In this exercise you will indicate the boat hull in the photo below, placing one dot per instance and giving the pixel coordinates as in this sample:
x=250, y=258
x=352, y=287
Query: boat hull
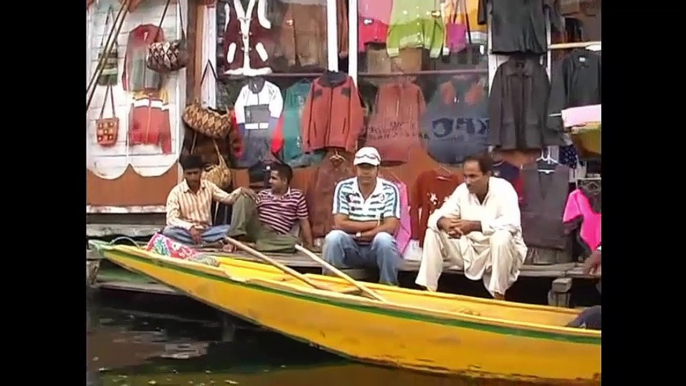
x=384, y=336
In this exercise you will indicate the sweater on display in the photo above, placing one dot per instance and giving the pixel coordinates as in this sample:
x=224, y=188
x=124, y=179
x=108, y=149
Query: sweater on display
x=257, y=112
x=428, y=194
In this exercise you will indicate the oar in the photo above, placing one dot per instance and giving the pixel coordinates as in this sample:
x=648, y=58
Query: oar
x=275, y=263
x=342, y=275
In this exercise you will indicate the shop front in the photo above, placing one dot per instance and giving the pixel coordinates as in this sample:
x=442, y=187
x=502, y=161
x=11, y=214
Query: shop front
x=306, y=82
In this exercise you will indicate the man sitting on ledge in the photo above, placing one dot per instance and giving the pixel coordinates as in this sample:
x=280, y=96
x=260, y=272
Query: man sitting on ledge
x=189, y=203
x=366, y=213
x=268, y=218
x=478, y=229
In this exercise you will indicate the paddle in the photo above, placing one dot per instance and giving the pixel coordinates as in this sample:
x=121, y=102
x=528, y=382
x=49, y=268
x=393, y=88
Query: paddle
x=342, y=275
x=275, y=263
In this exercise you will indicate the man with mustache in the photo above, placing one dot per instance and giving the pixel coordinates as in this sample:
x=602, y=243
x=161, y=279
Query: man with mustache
x=478, y=229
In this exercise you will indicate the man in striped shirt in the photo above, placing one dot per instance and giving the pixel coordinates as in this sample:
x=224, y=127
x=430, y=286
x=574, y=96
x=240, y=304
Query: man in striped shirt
x=269, y=217
x=366, y=213
x=189, y=220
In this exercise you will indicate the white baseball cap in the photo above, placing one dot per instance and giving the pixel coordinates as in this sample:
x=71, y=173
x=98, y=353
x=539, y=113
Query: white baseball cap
x=367, y=155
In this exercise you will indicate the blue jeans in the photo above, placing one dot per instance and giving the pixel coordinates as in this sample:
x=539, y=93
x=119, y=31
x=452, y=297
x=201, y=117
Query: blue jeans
x=342, y=251
x=210, y=235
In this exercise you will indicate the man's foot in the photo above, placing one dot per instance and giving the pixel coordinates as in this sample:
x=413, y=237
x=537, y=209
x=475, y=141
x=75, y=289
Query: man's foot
x=498, y=296
x=228, y=248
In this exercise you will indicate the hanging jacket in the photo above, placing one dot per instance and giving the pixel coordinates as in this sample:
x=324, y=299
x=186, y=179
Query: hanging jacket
x=414, y=25
x=517, y=106
x=257, y=112
x=302, y=37
x=247, y=41
x=453, y=128
x=374, y=16
x=149, y=121
x=429, y=192
x=545, y=195
x=333, y=115
x=578, y=213
x=320, y=192
x=294, y=103
x=136, y=75
x=518, y=26
x=575, y=82
x=393, y=128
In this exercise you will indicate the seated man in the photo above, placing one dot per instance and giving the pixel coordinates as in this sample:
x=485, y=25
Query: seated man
x=268, y=218
x=478, y=229
x=366, y=213
x=189, y=203
x=591, y=317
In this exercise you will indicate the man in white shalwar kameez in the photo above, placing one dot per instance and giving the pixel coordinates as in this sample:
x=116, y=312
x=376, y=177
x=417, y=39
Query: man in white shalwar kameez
x=478, y=229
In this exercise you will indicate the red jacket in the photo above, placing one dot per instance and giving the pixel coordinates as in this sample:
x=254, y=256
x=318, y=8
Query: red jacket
x=149, y=121
x=333, y=115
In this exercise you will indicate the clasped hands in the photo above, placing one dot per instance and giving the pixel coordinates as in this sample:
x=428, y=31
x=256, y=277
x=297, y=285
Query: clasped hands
x=456, y=227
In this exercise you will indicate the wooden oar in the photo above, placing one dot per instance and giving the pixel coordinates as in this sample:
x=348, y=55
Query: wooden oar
x=275, y=263
x=342, y=275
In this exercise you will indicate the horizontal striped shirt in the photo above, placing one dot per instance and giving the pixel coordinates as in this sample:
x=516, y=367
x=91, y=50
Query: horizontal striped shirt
x=384, y=202
x=280, y=213
x=187, y=209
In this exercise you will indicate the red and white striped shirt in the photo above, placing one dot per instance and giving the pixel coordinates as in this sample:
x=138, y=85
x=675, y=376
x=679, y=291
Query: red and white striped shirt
x=187, y=209
x=280, y=213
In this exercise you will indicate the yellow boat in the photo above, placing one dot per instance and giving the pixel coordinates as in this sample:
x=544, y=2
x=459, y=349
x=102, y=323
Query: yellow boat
x=415, y=330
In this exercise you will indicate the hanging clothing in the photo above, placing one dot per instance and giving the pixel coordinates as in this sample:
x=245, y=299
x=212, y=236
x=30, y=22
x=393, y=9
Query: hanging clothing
x=545, y=194
x=287, y=138
x=393, y=128
x=519, y=26
x=302, y=39
x=575, y=83
x=374, y=16
x=320, y=193
x=578, y=214
x=149, y=120
x=414, y=25
x=511, y=174
x=247, y=41
x=453, y=127
x=404, y=233
x=333, y=115
x=517, y=106
x=257, y=112
x=569, y=156
x=136, y=75
x=430, y=191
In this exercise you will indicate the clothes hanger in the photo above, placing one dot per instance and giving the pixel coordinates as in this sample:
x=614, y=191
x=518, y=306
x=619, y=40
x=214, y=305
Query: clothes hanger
x=336, y=156
x=545, y=162
x=443, y=168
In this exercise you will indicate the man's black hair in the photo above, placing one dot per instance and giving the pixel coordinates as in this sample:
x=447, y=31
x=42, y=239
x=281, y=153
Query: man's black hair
x=284, y=171
x=191, y=161
x=484, y=160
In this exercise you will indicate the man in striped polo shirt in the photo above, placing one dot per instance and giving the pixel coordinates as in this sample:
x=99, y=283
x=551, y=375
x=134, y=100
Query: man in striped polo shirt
x=268, y=218
x=366, y=213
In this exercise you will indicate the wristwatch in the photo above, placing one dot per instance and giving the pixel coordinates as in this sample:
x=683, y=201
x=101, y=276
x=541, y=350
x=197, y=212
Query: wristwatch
x=358, y=235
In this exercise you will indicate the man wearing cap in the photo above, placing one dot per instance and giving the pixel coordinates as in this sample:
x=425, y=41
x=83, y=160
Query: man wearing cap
x=366, y=213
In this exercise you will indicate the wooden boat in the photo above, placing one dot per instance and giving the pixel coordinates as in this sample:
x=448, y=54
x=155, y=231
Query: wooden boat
x=416, y=330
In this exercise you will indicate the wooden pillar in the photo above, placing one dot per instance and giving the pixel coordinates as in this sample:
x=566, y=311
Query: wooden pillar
x=193, y=32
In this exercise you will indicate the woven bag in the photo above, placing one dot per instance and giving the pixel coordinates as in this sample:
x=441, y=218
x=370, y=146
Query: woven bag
x=205, y=120
x=107, y=129
x=168, y=56
x=220, y=174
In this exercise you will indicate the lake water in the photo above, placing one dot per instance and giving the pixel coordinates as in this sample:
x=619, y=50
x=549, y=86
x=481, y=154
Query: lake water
x=146, y=340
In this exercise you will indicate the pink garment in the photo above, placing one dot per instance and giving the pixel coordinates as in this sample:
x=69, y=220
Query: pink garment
x=578, y=206
x=580, y=116
x=163, y=245
x=402, y=237
x=374, y=17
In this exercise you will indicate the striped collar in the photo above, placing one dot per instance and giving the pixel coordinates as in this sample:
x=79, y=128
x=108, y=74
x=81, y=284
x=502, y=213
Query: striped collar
x=186, y=189
x=378, y=188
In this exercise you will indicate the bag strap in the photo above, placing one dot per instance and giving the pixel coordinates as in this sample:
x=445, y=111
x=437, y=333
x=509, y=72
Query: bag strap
x=209, y=66
x=159, y=26
x=466, y=16
x=110, y=12
x=178, y=9
x=104, y=102
x=455, y=9
x=220, y=157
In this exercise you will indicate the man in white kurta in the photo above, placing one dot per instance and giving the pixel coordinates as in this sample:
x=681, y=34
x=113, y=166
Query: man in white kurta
x=478, y=229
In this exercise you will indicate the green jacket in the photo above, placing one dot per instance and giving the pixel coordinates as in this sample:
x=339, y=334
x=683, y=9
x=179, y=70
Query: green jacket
x=413, y=25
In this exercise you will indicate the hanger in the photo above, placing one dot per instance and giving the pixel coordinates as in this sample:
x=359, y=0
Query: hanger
x=545, y=161
x=390, y=172
x=443, y=168
x=336, y=156
x=256, y=83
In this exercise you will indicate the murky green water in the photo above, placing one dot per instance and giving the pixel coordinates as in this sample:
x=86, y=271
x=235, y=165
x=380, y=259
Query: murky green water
x=168, y=340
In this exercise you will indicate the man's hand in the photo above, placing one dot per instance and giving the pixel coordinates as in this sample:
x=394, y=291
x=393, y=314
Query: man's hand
x=592, y=263
x=457, y=227
x=248, y=192
x=195, y=235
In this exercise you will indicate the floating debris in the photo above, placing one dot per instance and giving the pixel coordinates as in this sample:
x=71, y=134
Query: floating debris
x=231, y=382
x=153, y=382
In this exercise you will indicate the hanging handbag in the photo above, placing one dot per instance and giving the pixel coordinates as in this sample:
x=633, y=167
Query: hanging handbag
x=458, y=34
x=107, y=129
x=219, y=174
x=205, y=120
x=171, y=55
x=108, y=76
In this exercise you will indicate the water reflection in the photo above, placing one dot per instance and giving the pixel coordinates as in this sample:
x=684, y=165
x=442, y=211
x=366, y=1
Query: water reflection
x=174, y=341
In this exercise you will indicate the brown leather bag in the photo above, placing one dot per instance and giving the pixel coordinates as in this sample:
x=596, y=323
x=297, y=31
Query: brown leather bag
x=171, y=55
x=210, y=122
x=107, y=129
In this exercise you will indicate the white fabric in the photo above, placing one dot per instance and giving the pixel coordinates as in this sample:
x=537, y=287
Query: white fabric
x=498, y=248
x=269, y=95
